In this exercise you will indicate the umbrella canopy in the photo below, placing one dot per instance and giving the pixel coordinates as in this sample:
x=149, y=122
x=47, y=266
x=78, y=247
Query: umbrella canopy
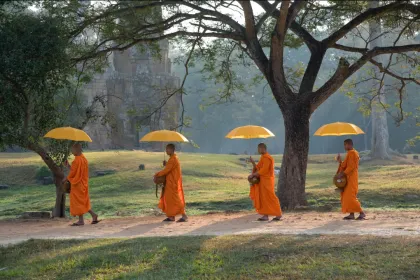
x=68, y=133
x=164, y=136
x=338, y=129
x=249, y=132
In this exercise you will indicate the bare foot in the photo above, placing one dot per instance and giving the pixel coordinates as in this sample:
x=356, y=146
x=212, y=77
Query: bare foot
x=263, y=219
x=349, y=217
x=361, y=217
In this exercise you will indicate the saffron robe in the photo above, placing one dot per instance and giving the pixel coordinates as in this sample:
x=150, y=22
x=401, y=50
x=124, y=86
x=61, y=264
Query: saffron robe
x=350, y=167
x=79, y=194
x=262, y=194
x=172, y=201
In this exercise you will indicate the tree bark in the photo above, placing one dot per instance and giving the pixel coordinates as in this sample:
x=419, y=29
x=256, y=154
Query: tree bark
x=291, y=183
x=58, y=174
x=380, y=136
x=59, y=210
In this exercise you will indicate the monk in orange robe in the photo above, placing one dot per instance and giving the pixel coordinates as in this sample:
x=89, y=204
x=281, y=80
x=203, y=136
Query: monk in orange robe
x=262, y=194
x=350, y=168
x=79, y=193
x=172, y=200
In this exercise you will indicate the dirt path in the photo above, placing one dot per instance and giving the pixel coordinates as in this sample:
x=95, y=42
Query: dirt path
x=379, y=223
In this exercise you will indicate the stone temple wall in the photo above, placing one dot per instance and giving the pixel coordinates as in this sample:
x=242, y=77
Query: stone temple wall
x=135, y=84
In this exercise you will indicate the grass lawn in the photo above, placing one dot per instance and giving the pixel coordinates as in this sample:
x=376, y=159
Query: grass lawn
x=228, y=257
x=212, y=183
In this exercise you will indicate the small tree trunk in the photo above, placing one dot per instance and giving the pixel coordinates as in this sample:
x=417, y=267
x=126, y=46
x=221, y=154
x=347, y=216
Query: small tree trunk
x=59, y=210
x=291, y=184
x=57, y=171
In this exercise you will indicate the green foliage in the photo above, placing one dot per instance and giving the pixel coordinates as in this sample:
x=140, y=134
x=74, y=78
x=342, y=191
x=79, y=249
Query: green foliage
x=42, y=172
x=33, y=58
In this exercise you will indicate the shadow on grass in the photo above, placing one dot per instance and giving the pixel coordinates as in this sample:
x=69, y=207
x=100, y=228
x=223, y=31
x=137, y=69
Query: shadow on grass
x=221, y=205
x=229, y=257
x=200, y=174
x=18, y=175
x=390, y=198
x=379, y=198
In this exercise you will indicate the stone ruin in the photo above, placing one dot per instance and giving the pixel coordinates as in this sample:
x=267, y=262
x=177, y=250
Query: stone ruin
x=134, y=84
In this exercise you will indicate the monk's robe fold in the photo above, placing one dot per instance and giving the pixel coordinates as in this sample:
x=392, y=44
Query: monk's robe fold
x=350, y=167
x=172, y=200
x=263, y=196
x=79, y=194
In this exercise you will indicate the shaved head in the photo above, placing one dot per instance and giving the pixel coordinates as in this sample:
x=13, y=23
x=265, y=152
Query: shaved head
x=348, y=141
x=262, y=148
x=76, y=149
x=170, y=149
x=348, y=144
x=262, y=145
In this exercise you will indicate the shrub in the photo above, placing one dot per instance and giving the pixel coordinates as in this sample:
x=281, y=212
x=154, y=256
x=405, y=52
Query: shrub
x=42, y=172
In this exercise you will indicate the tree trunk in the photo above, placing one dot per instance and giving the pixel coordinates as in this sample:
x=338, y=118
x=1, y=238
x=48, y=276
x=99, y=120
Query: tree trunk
x=380, y=136
x=57, y=171
x=59, y=210
x=291, y=183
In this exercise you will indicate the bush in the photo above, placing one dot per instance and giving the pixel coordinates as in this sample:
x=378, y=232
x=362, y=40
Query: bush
x=42, y=172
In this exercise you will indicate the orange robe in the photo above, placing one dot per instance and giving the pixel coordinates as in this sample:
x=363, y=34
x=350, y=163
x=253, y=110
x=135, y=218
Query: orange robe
x=79, y=194
x=265, y=200
x=172, y=200
x=350, y=167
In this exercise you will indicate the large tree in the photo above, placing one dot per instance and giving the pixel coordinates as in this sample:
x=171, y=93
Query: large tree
x=39, y=87
x=262, y=31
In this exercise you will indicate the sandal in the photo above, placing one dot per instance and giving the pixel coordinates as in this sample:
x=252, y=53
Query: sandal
x=361, y=218
x=95, y=222
x=168, y=220
x=348, y=218
x=275, y=219
x=182, y=220
x=76, y=225
x=262, y=220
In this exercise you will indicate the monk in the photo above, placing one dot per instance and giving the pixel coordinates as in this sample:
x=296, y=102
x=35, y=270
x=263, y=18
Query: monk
x=350, y=168
x=79, y=194
x=262, y=194
x=172, y=200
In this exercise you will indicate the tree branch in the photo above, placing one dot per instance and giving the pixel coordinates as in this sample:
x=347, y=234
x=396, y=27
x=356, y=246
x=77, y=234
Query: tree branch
x=368, y=14
x=332, y=85
x=388, y=72
x=267, y=14
x=296, y=28
x=251, y=41
x=135, y=41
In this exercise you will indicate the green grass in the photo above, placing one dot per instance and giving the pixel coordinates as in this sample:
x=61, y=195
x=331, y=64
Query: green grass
x=228, y=257
x=212, y=183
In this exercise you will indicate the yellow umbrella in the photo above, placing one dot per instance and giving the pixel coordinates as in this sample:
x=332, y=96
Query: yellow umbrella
x=164, y=136
x=68, y=133
x=249, y=132
x=338, y=129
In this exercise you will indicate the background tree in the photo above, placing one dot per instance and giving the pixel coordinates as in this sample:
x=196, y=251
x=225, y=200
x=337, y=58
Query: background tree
x=238, y=25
